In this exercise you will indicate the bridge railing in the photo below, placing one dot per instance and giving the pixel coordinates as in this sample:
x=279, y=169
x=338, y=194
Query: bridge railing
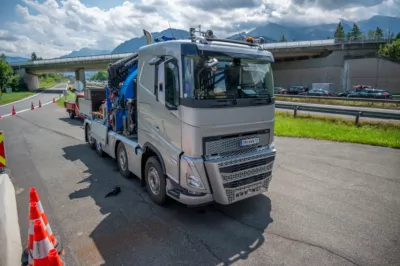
x=275, y=45
x=294, y=44
x=71, y=60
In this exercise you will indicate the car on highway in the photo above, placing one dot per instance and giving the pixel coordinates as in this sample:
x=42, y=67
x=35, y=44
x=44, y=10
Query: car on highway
x=280, y=90
x=295, y=90
x=317, y=92
x=371, y=93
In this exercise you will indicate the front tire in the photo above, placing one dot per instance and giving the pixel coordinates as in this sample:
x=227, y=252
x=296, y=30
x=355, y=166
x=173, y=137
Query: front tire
x=155, y=181
x=122, y=159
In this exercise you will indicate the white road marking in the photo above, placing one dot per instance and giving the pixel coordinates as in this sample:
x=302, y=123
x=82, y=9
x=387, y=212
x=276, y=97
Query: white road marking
x=29, y=109
x=27, y=98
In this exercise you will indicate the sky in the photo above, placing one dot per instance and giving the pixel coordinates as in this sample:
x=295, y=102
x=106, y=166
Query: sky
x=52, y=28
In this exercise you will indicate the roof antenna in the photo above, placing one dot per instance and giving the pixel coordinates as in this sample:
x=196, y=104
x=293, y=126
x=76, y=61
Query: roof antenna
x=172, y=33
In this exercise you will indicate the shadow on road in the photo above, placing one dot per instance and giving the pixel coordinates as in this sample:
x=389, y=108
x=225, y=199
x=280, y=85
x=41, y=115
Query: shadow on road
x=75, y=122
x=137, y=230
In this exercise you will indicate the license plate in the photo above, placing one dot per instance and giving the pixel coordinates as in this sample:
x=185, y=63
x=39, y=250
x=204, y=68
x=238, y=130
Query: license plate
x=248, y=142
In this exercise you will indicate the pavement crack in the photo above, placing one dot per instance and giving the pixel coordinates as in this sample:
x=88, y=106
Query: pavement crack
x=52, y=130
x=287, y=238
x=204, y=244
x=314, y=245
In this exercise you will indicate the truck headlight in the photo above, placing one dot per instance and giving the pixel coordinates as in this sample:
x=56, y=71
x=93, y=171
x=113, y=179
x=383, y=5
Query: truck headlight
x=191, y=174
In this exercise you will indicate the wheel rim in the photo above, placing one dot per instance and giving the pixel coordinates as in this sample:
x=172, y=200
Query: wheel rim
x=154, y=181
x=122, y=159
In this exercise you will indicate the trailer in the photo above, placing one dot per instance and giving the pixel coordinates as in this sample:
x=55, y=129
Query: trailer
x=193, y=119
x=72, y=107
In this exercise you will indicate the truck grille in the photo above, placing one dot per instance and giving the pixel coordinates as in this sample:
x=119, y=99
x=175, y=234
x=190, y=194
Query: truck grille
x=227, y=146
x=246, y=175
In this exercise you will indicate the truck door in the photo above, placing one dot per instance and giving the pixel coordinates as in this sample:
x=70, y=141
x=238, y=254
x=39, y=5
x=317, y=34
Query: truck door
x=167, y=95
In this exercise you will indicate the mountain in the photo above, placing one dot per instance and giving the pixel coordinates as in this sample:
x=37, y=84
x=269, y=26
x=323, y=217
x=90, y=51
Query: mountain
x=86, y=52
x=11, y=59
x=134, y=44
x=275, y=31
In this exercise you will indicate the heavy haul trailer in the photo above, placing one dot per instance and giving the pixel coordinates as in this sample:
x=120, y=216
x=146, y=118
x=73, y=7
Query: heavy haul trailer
x=193, y=119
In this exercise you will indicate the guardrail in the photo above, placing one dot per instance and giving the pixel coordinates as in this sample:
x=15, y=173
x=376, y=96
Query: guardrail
x=350, y=99
x=387, y=114
x=294, y=44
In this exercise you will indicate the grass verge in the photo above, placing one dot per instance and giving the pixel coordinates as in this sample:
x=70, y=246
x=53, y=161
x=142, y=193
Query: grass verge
x=14, y=96
x=337, y=129
x=71, y=97
x=340, y=102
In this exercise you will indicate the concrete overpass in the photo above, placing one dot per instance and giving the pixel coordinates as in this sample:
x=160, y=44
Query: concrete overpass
x=283, y=51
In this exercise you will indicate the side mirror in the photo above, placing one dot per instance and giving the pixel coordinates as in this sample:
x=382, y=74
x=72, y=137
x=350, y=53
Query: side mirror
x=211, y=63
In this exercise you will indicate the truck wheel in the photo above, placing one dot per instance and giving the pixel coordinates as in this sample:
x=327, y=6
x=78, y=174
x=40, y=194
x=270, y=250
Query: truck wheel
x=89, y=138
x=122, y=159
x=99, y=150
x=155, y=181
x=72, y=115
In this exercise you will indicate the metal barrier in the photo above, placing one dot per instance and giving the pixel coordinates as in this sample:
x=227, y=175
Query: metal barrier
x=350, y=99
x=387, y=114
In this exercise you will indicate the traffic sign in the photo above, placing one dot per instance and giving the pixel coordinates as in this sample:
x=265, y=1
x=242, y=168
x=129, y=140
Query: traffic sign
x=3, y=160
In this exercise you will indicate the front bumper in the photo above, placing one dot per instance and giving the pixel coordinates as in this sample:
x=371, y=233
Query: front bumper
x=236, y=178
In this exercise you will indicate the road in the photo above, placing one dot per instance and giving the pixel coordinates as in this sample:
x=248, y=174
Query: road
x=24, y=104
x=329, y=204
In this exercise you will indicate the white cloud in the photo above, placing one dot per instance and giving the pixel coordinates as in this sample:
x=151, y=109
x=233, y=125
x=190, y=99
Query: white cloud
x=54, y=28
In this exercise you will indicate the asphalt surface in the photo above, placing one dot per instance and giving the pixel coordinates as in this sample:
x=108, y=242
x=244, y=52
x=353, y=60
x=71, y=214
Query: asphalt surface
x=44, y=97
x=328, y=204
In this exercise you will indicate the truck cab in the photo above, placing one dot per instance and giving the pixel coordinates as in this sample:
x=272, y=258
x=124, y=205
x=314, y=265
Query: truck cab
x=204, y=119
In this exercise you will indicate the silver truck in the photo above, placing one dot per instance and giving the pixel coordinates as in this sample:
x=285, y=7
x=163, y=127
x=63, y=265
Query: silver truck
x=193, y=119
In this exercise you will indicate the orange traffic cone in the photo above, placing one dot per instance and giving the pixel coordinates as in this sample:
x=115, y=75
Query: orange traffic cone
x=13, y=112
x=41, y=244
x=53, y=258
x=54, y=99
x=34, y=198
x=34, y=214
x=40, y=104
x=32, y=106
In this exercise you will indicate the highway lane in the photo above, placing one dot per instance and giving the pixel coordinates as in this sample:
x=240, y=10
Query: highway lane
x=44, y=97
x=329, y=204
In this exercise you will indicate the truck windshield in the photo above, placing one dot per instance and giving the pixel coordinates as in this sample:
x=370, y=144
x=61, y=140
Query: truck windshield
x=230, y=78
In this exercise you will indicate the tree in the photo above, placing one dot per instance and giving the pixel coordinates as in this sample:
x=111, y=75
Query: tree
x=101, y=75
x=339, y=33
x=348, y=35
x=355, y=32
x=398, y=36
x=391, y=50
x=7, y=77
x=378, y=33
x=371, y=35
x=34, y=56
x=283, y=38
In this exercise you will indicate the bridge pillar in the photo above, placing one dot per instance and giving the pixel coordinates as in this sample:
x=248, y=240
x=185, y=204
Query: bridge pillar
x=80, y=79
x=30, y=80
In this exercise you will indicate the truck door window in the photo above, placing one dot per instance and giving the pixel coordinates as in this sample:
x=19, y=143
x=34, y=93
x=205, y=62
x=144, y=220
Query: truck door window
x=172, y=84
